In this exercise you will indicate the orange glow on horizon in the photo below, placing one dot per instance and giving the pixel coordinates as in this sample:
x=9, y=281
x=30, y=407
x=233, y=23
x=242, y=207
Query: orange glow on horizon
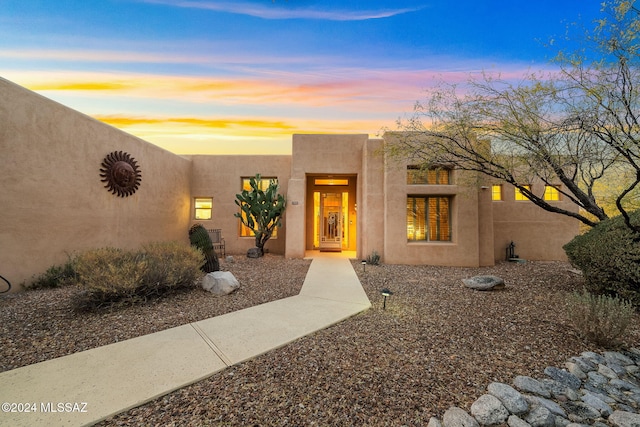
x=188, y=135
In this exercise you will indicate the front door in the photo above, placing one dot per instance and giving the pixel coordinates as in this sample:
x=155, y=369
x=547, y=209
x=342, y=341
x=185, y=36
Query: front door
x=330, y=218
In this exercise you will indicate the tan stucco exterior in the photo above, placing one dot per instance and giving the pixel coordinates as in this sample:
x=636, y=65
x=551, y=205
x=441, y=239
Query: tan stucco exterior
x=220, y=177
x=54, y=204
x=52, y=200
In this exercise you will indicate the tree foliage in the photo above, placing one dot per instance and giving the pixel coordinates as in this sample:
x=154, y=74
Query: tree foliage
x=575, y=127
x=261, y=210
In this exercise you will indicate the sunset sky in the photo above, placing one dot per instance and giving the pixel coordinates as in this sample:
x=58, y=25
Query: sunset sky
x=236, y=76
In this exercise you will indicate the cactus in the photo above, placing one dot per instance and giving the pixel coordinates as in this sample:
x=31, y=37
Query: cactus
x=199, y=238
x=262, y=210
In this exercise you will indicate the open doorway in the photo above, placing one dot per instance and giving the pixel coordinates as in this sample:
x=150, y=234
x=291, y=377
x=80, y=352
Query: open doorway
x=331, y=213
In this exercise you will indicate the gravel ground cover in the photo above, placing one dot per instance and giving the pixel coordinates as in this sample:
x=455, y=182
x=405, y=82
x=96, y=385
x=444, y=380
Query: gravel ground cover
x=43, y=324
x=437, y=344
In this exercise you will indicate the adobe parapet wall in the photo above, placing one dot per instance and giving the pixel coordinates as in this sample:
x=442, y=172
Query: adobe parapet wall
x=52, y=200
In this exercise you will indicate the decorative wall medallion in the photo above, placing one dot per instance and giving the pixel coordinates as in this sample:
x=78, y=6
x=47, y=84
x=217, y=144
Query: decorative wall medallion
x=121, y=173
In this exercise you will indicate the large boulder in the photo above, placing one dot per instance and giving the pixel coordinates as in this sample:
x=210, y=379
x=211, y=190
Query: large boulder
x=220, y=282
x=484, y=283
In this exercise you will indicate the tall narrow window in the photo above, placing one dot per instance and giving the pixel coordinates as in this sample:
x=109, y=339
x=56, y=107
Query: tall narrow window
x=203, y=207
x=551, y=193
x=520, y=195
x=496, y=192
x=429, y=218
x=416, y=175
x=262, y=185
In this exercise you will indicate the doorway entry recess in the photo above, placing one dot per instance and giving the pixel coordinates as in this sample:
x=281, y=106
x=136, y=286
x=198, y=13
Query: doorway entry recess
x=332, y=215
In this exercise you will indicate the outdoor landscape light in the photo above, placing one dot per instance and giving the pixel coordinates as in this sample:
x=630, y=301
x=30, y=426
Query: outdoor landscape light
x=364, y=265
x=385, y=292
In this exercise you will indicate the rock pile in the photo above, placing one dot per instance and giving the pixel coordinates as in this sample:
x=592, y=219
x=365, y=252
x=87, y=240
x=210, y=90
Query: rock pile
x=595, y=389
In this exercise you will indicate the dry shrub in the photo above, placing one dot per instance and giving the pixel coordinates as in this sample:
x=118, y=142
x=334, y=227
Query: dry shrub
x=600, y=319
x=111, y=276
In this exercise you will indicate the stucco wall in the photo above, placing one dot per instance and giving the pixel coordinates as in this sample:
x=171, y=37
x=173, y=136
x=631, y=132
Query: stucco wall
x=371, y=204
x=318, y=155
x=462, y=250
x=220, y=177
x=538, y=234
x=52, y=201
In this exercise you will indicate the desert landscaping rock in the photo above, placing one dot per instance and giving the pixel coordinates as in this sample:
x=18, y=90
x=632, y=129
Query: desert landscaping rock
x=563, y=377
x=540, y=417
x=220, y=283
x=607, y=371
x=576, y=405
x=559, y=390
x=531, y=385
x=511, y=398
x=254, y=253
x=457, y=417
x=624, y=419
x=596, y=403
x=484, y=283
x=516, y=421
x=552, y=406
x=488, y=410
x=574, y=369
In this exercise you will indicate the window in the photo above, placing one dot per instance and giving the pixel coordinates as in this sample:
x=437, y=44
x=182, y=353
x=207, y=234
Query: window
x=429, y=218
x=331, y=181
x=496, y=192
x=520, y=195
x=263, y=185
x=417, y=175
x=203, y=207
x=551, y=193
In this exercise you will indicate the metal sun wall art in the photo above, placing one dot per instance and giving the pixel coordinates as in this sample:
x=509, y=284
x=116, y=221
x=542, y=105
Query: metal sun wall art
x=120, y=173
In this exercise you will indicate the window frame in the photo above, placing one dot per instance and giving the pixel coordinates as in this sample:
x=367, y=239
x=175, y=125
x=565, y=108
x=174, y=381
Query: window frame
x=496, y=189
x=427, y=218
x=417, y=175
x=519, y=196
x=197, y=209
x=551, y=193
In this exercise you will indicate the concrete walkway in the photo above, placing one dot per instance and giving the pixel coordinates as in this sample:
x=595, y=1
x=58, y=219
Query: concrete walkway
x=87, y=387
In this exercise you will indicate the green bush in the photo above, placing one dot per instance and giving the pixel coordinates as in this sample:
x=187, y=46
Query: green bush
x=609, y=257
x=111, y=276
x=599, y=318
x=55, y=276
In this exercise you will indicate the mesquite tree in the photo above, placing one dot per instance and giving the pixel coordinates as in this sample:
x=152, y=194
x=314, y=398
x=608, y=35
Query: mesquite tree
x=261, y=210
x=577, y=127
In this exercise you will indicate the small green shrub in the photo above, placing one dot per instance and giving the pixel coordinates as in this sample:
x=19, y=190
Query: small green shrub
x=599, y=318
x=374, y=258
x=609, y=257
x=55, y=276
x=111, y=276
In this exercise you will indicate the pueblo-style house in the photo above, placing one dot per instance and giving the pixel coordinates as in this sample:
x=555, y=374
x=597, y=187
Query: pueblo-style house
x=342, y=194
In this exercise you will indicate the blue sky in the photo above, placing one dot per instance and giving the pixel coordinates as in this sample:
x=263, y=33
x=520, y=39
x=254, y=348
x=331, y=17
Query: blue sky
x=205, y=76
